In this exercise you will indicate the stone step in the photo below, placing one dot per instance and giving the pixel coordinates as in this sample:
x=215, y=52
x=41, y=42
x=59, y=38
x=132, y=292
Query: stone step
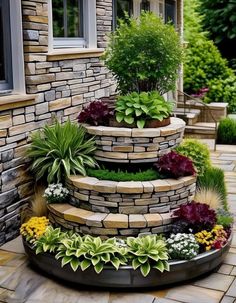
x=202, y=130
x=101, y=224
x=189, y=115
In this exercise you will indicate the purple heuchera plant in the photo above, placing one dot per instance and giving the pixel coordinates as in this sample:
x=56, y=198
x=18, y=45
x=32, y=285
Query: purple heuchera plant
x=175, y=165
x=199, y=216
x=96, y=113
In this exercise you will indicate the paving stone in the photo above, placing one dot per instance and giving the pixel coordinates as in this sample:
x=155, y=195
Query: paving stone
x=216, y=281
x=230, y=259
x=194, y=294
x=232, y=290
x=227, y=299
x=15, y=246
x=164, y=300
x=225, y=269
x=131, y=298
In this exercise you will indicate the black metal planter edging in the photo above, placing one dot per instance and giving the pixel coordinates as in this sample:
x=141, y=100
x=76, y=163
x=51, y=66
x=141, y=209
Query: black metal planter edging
x=126, y=277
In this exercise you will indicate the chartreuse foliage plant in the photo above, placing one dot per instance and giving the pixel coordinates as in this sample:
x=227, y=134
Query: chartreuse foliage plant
x=139, y=68
x=60, y=150
x=148, y=252
x=198, y=152
x=138, y=108
x=224, y=218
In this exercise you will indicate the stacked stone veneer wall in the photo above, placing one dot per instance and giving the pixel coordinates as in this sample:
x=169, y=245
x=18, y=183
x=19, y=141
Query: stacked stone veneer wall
x=133, y=145
x=58, y=86
x=159, y=196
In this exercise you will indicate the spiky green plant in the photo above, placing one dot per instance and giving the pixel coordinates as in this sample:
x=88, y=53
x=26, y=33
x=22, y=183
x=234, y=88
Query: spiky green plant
x=148, y=252
x=61, y=150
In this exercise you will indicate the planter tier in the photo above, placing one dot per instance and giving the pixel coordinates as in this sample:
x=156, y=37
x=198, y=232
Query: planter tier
x=126, y=277
x=134, y=145
x=134, y=197
x=102, y=224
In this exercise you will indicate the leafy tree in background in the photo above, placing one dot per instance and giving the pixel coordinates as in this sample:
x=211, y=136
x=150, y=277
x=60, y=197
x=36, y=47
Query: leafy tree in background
x=219, y=19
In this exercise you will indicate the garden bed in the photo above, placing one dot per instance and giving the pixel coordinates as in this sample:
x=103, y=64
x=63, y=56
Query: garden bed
x=126, y=276
x=134, y=145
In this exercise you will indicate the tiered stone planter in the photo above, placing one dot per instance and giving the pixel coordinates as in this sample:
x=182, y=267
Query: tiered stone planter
x=133, y=145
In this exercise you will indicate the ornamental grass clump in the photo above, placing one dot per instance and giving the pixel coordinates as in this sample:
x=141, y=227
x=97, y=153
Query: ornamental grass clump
x=199, y=216
x=174, y=165
x=34, y=228
x=61, y=150
x=182, y=246
x=148, y=252
x=144, y=54
x=56, y=193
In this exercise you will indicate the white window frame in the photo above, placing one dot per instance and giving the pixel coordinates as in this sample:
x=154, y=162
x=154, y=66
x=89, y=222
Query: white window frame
x=17, y=52
x=90, y=29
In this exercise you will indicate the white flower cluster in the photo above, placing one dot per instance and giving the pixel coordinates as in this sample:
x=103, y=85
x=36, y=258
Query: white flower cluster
x=182, y=246
x=55, y=193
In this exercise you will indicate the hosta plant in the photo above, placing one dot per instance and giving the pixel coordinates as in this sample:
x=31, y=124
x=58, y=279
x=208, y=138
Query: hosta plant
x=55, y=193
x=50, y=240
x=61, y=150
x=148, y=252
x=138, y=108
x=96, y=113
x=199, y=216
x=174, y=165
x=182, y=246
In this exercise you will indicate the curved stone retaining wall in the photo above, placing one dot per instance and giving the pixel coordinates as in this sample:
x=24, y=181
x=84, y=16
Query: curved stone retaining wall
x=134, y=145
x=159, y=196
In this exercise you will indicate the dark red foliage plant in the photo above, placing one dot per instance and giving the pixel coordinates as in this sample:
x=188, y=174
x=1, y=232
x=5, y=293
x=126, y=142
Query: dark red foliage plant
x=199, y=216
x=96, y=113
x=174, y=165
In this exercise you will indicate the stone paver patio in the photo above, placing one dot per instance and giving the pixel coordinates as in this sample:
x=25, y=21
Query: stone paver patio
x=20, y=284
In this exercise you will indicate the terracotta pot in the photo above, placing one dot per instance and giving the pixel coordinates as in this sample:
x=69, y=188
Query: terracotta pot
x=148, y=124
x=157, y=123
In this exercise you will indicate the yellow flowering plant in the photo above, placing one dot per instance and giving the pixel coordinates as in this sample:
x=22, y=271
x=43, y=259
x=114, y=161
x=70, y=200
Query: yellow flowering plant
x=33, y=229
x=216, y=238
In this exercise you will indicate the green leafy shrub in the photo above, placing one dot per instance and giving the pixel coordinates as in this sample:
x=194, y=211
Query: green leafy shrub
x=224, y=218
x=138, y=108
x=214, y=178
x=182, y=246
x=197, y=152
x=223, y=91
x=105, y=174
x=141, y=68
x=203, y=63
x=148, y=252
x=226, y=133
x=61, y=150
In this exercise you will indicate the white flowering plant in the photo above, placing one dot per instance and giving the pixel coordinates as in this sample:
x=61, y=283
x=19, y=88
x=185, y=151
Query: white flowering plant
x=182, y=246
x=56, y=193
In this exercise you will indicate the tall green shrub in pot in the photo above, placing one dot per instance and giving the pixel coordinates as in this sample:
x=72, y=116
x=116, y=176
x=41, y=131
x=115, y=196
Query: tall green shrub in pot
x=144, y=55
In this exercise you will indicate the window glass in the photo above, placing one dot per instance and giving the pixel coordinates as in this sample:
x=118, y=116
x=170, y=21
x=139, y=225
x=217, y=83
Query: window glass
x=170, y=11
x=121, y=8
x=67, y=18
x=145, y=5
x=2, y=65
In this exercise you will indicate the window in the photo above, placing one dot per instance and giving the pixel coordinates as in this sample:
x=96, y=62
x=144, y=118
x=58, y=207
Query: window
x=170, y=11
x=121, y=8
x=5, y=48
x=145, y=5
x=73, y=23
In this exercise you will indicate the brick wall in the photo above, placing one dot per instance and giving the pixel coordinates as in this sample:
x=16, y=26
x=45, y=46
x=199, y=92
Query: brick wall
x=61, y=87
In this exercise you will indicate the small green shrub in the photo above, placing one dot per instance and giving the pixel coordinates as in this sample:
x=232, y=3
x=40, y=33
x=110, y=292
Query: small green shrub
x=141, y=68
x=61, y=150
x=105, y=174
x=223, y=91
x=203, y=63
x=138, y=108
x=226, y=133
x=214, y=178
x=197, y=152
x=224, y=218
